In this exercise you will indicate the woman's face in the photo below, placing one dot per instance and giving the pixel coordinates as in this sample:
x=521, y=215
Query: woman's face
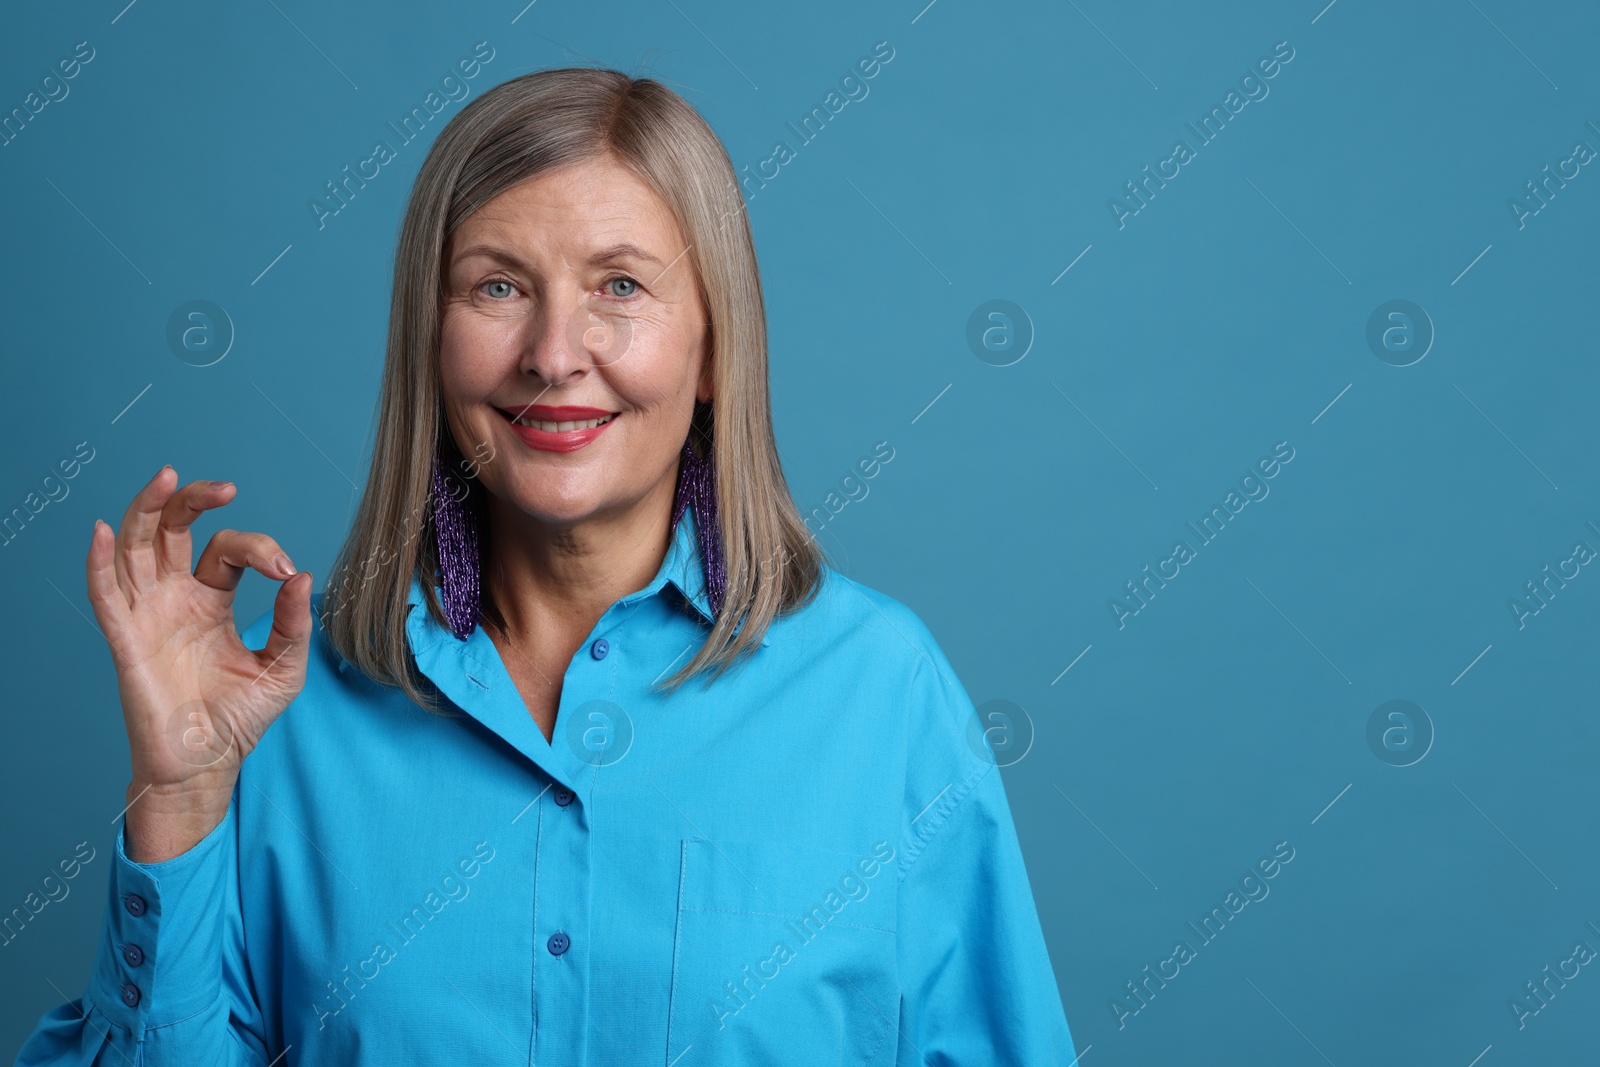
x=572, y=290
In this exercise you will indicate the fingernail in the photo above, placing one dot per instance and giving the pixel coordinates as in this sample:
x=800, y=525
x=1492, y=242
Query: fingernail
x=220, y=485
x=283, y=563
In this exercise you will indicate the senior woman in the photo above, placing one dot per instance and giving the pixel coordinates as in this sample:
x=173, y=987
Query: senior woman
x=453, y=809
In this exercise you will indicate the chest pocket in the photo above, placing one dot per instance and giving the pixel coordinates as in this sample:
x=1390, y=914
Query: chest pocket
x=783, y=955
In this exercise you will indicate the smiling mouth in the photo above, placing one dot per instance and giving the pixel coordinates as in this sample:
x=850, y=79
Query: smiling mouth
x=553, y=426
x=563, y=427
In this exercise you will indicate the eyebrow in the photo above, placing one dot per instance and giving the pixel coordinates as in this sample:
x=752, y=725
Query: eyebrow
x=605, y=255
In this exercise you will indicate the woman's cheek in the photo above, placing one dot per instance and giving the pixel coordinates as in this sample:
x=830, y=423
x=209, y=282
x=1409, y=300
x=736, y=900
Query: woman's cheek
x=659, y=358
x=474, y=354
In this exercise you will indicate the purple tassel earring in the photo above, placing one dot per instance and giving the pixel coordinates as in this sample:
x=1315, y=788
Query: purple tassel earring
x=697, y=485
x=456, y=532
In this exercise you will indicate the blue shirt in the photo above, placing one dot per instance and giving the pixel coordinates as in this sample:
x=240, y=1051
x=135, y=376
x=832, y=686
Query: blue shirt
x=808, y=861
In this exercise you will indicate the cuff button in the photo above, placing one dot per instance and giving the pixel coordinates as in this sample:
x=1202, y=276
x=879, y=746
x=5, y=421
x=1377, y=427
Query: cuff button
x=130, y=995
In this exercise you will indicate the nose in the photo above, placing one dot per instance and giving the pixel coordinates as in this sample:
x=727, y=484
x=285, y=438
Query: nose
x=574, y=332
x=550, y=351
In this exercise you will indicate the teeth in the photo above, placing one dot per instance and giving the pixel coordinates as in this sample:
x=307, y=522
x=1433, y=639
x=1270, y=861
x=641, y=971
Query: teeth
x=563, y=427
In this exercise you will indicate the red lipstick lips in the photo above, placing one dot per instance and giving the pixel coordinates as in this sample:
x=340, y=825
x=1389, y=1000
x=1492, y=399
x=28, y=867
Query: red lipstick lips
x=569, y=440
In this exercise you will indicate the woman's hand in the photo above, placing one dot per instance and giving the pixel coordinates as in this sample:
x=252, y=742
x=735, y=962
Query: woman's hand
x=195, y=700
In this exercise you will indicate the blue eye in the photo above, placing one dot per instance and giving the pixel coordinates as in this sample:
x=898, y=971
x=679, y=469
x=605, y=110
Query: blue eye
x=488, y=285
x=632, y=285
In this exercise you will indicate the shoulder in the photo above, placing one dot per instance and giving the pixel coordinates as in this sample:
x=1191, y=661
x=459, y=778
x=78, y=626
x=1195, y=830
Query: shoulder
x=890, y=634
x=855, y=615
x=890, y=644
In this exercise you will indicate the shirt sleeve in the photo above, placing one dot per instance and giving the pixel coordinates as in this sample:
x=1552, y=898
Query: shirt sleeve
x=169, y=984
x=976, y=980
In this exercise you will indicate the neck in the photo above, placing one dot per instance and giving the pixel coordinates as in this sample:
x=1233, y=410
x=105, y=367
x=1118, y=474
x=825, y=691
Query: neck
x=548, y=579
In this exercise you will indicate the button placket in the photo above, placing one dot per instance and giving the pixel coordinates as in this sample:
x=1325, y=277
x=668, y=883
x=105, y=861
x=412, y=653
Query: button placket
x=561, y=909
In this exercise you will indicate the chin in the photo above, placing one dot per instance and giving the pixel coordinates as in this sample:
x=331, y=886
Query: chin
x=557, y=511
x=554, y=503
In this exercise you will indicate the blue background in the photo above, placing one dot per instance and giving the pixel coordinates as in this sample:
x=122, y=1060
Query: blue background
x=1229, y=314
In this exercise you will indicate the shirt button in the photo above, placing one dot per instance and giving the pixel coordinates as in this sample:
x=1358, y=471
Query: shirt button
x=600, y=647
x=558, y=943
x=135, y=905
x=130, y=995
x=563, y=797
x=133, y=954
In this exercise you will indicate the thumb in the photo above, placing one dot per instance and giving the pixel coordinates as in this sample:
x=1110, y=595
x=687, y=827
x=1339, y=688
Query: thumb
x=290, y=639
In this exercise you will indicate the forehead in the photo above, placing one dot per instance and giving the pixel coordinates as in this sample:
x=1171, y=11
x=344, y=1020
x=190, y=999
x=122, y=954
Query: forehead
x=597, y=202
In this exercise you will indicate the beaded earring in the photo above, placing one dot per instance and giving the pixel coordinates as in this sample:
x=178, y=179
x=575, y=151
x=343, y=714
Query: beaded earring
x=456, y=536
x=697, y=485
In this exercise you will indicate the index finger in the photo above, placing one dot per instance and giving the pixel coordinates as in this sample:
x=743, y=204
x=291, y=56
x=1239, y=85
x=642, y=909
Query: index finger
x=134, y=553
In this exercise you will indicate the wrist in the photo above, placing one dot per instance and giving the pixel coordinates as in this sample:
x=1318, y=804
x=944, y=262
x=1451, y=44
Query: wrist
x=200, y=791
x=163, y=820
